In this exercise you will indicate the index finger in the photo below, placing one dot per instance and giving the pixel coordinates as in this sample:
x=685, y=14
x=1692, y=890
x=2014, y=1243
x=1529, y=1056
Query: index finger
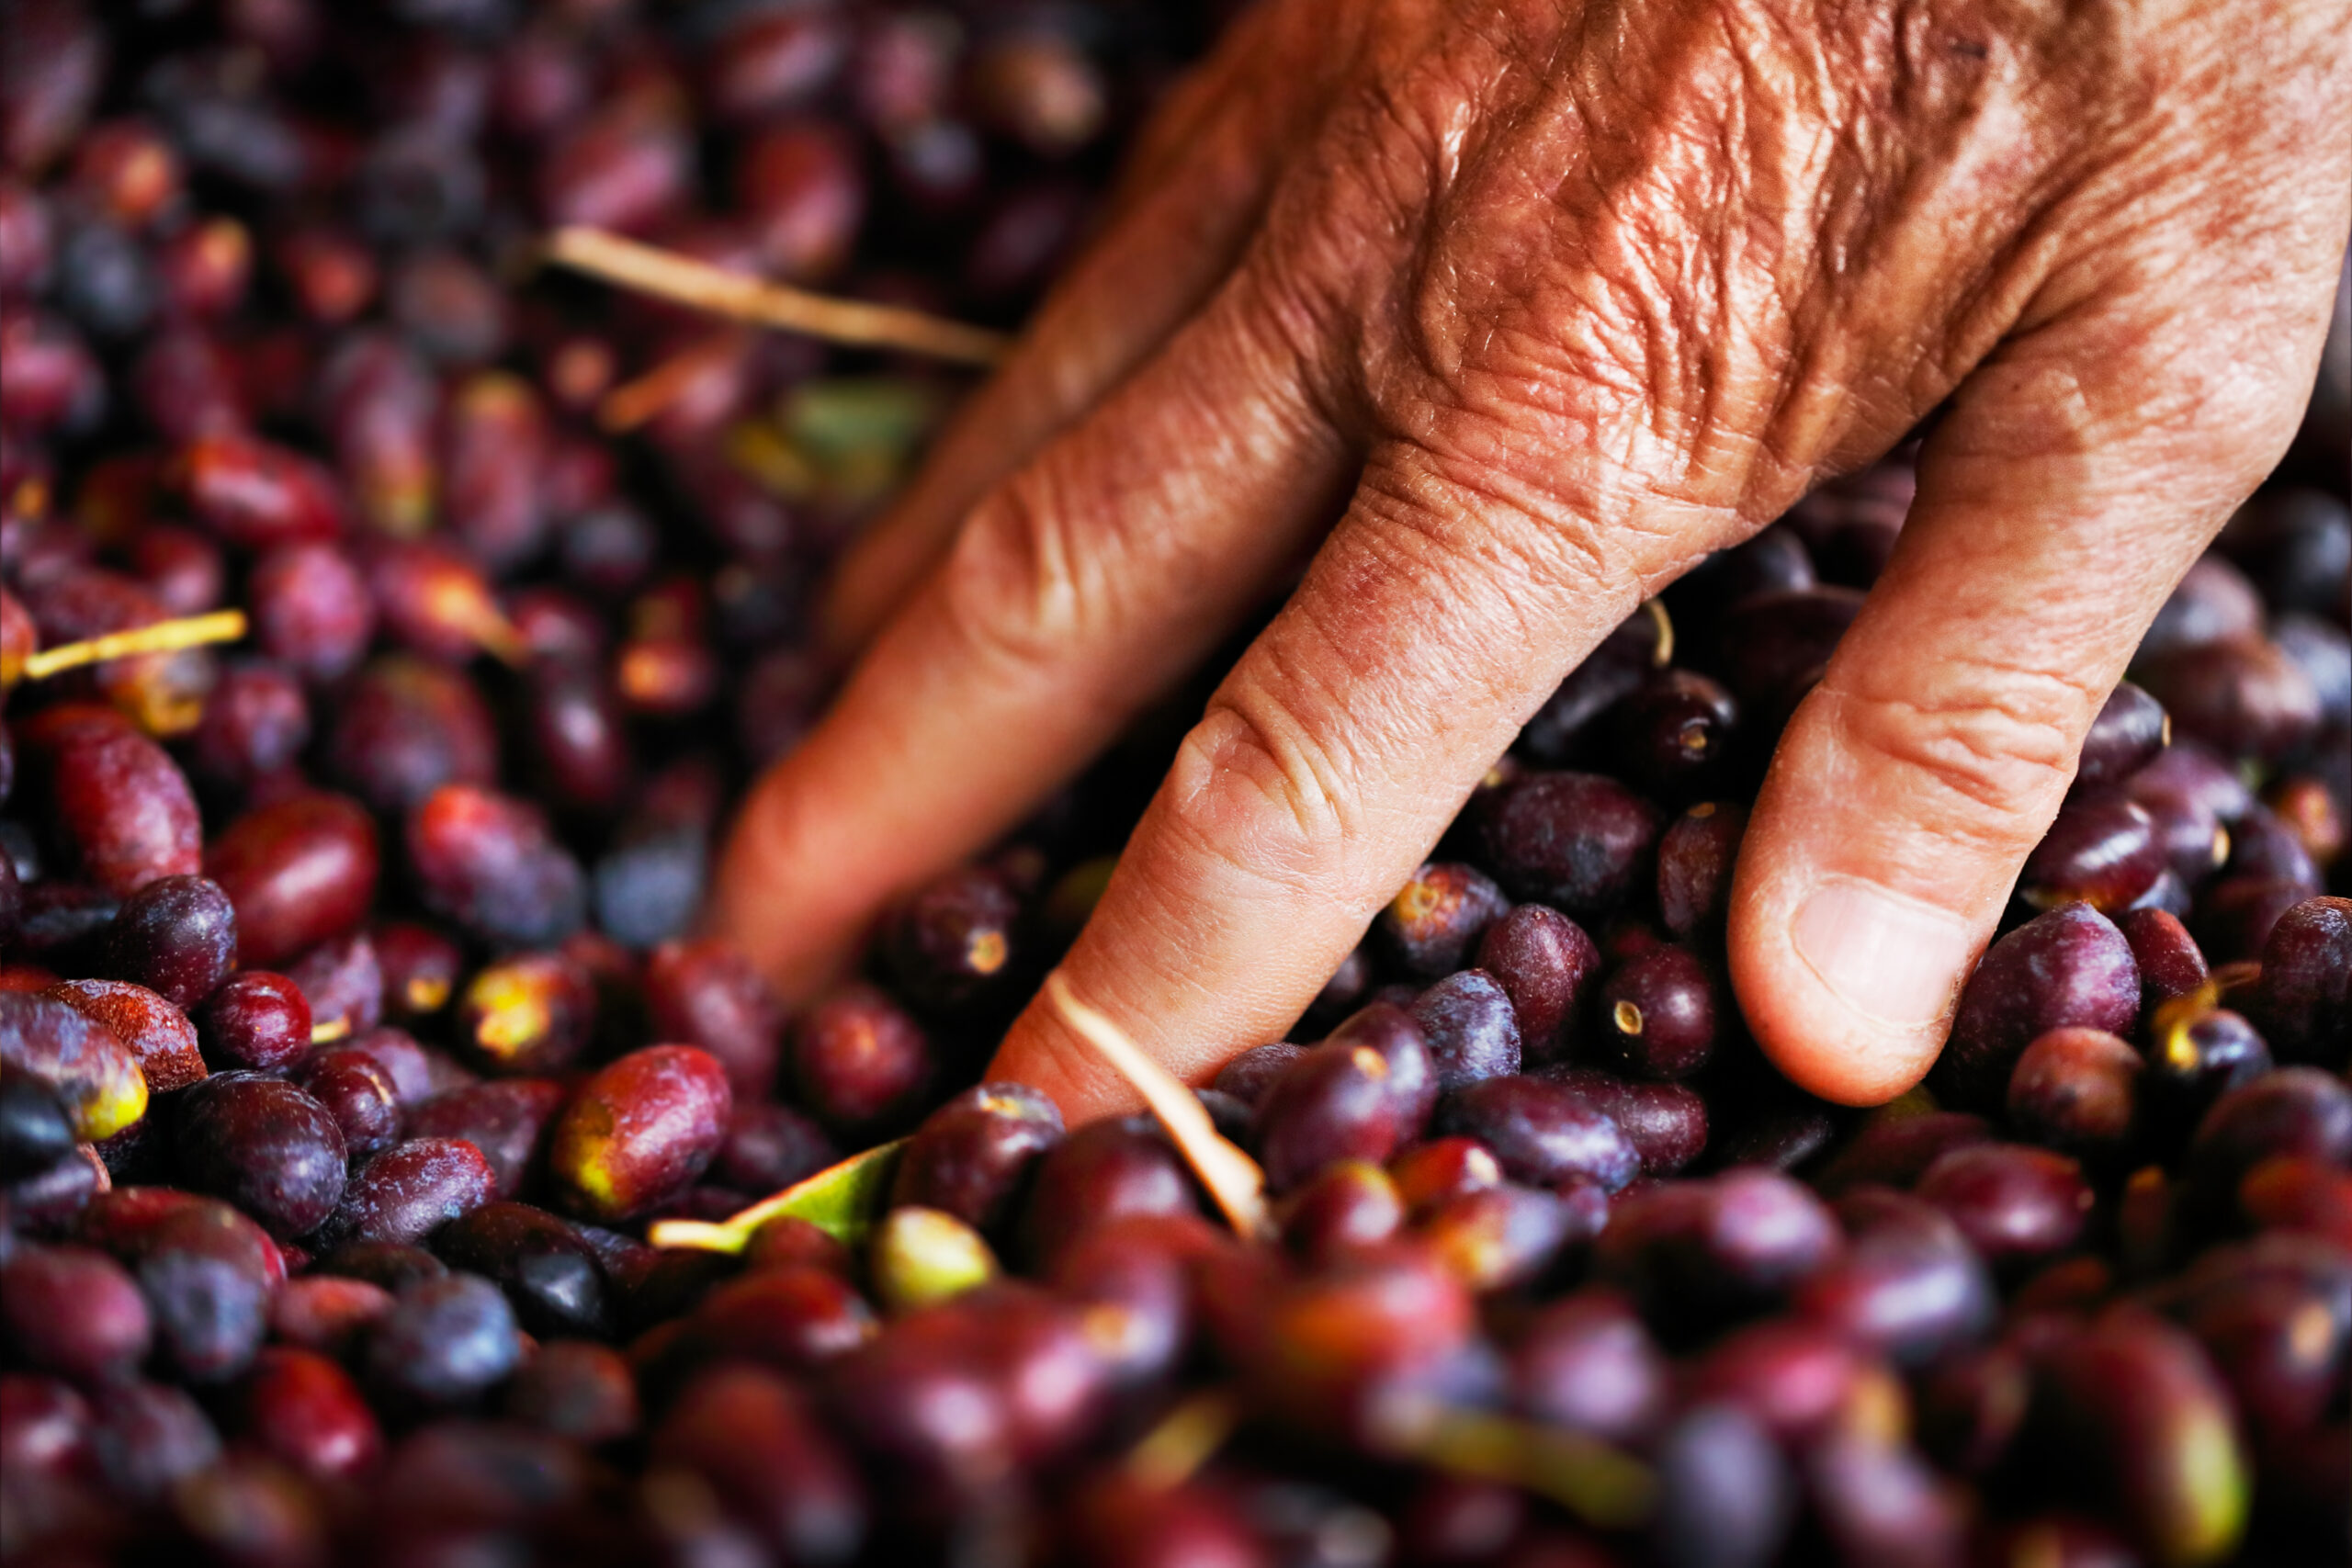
x=1435, y=620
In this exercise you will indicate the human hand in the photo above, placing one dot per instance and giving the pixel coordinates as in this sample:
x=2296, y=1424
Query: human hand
x=1545, y=301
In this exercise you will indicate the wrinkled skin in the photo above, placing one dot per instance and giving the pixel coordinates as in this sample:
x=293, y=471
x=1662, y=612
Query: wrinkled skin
x=1543, y=302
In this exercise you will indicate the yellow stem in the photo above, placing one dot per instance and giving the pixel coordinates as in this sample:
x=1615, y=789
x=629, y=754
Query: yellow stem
x=1233, y=1179
x=163, y=637
x=652, y=270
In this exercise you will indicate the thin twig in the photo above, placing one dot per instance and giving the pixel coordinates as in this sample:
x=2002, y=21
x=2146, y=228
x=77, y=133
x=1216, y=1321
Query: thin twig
x=1233, y=1179
x=163, y=637
x=1662, y=652
x=1599, y=1485
x=632, y=403
x=652, y=270
x=1185, y=1439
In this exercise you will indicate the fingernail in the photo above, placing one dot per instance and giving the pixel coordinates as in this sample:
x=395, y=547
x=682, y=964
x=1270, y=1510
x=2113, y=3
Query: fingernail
x=1892, y=958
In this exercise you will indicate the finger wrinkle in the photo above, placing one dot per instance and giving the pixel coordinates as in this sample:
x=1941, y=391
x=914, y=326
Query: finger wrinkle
x=1992, y=752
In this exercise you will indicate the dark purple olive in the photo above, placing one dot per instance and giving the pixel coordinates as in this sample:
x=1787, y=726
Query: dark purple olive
x=2241, y=696
x=1577, y=841
x=148, y=1435
x=1348, y=1203
x=206, y=1289
x=1542, y=1133
x=1472, y=1032
x=1725, y=1497
x=1797, y=1378
x=1549, y=967
x=1666, y=1121
x=1584, y=1362
x=2234, y=914
x=2193, y=795
x=256, y=1020
x=1099, y=1173
x=508, y=1121
x=176, y=936
x=410, y=1190
x=2070, y=966
x=973, y=1155
x=1563, y=729
x=706, y=993
x=2017, y=1204
x=2295, y=545
x=1508, y=1236
x=1773, y=561
x=1875, y=1501
x=2134, y=1413
x=1131, y=1278
x=1333, y=1103
x=2103, y=850
x=1658, y=1010
x=1695, y=857
x=2130, y=729
x=2167, y=957
x=1909, y=1287
x=1697, y=1254
x=1248, y=1076
x=2195, y=1056
x=2263, y=846
x=770, y=1148
x=952, y=943
x=1771, y=641
x=754, y=1440
x=2277, y=1344
x=1675, y=734
x=1387, y=1028
x=357, y=1092
x=263, y=1145
x=857, y=1059
x=36, y=1129
x=575, y=1389
x=2075, y=1090
x=2304, y=995
x=445, y=1342
x=551, y=1275
x=305, y=1412
x=1341, y=994
x=637, y=1131
x=2295, y=1110
x=2324, y=652
x=1431, y=924
x=2213, y=602
x=74, y=1311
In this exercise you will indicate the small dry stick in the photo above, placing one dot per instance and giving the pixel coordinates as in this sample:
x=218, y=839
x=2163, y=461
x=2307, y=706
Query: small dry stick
x=1663, y=654
x=652, y=270
x=163, y=637
x=1232, y=1178
x=633, y=402
x=1184, y=1438
x=1597, y=1483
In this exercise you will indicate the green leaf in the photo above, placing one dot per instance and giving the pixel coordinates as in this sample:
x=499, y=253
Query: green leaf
x=844, y=1201
x=845, y=418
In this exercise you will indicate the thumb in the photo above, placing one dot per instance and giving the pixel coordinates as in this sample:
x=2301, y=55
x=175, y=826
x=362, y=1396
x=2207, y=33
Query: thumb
x=2077, y=477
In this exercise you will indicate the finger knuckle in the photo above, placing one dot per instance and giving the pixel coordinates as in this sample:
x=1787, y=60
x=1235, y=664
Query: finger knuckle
x=1994, y=744
x=1252, y=793
x=1014, y=590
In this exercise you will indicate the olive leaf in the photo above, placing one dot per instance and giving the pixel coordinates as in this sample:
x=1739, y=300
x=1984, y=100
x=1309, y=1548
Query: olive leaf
x=845, y=1201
